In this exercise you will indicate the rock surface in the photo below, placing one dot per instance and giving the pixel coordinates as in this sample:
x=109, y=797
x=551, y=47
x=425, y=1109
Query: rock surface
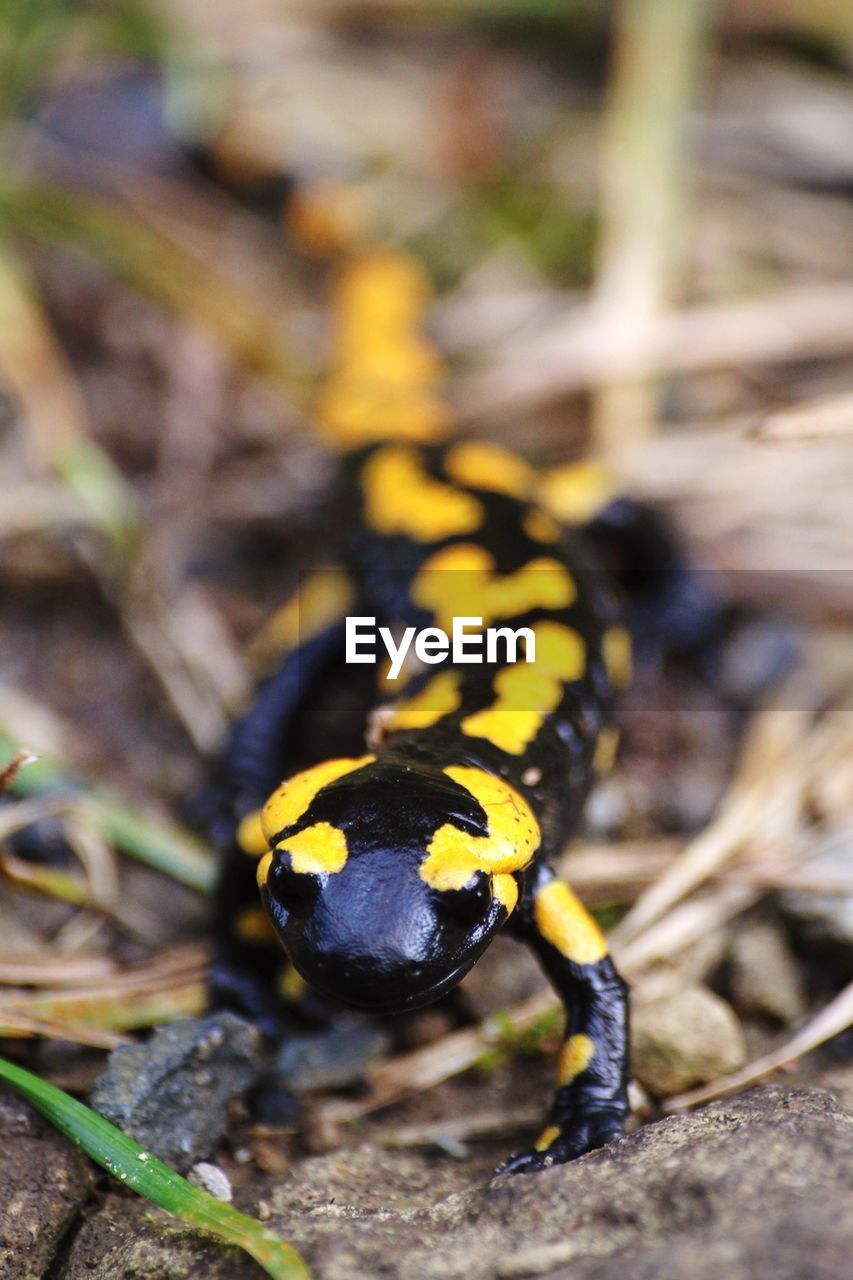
x=759, y=1188
x=765, y=978
x=684, y=1039
x=172, y=1093
x=43, y=1184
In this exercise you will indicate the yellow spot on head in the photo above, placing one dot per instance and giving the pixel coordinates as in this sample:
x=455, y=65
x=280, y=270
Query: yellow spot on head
x=400, y=498
x=482, y=465
x=527, y=693
x=317, y=850
x=575, y=1056
x=575, y=493
x=250, y=835
x=264, y=869
x=547, y=1137
x=440, y=697
x=287, y=804
x=505, y=889
x=460, y=581
x=564, y=922
x=453, y=856
x=539, y=526
x=616, y=649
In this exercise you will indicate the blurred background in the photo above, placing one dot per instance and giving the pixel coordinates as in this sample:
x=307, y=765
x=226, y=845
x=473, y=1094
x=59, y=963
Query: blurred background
x=637, y=220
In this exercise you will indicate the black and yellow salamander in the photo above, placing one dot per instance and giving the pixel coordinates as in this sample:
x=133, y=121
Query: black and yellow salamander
x=386, y=870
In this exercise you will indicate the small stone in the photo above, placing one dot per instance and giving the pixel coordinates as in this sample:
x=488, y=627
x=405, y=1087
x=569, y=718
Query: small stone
x=826, y=919
x=683, y=1040
x=172, y=1093
x=213, y=1180
x=764, y=976
x=332, y=1059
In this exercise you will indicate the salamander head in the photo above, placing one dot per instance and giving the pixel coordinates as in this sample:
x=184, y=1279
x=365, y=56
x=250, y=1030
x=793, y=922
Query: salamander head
x=386, y=882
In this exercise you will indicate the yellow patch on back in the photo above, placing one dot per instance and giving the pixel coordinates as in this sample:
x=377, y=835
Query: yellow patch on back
x=482, y=465
x=323, y=596
x=318, y=850
x=528, y=692
x=250, y=835
x=564, y=922
x=252, y=925
x=575, y=1056
x=460, y=580
x=576, y=492
x=616, y=650
x=288, y=802
x=605, y=750
x=385, y=376
x=539, y=526
x=453, y=855
x=400, y=498
x=440, y=697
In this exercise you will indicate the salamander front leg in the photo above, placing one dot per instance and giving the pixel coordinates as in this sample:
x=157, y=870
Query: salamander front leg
x=591, y=1101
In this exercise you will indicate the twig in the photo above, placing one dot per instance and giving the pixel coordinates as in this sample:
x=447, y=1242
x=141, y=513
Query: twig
x=835, y=1018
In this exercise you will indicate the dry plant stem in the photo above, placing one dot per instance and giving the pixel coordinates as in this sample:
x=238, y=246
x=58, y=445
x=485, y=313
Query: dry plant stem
x=20, y=759
x=835, y=1018
x=762, y=781
x=791, y=324
x=657, y=45
x=824, y=418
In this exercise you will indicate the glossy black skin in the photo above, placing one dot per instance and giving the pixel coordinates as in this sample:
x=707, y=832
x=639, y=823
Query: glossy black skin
x=375, y=935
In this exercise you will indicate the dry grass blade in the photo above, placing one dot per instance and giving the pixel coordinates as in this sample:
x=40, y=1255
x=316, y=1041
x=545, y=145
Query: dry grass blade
x=794, y=323
x=8, y=774
x=835, y=1018
x=16, y=1024
x=642, y=165
x=761, y=788
x=825, y=418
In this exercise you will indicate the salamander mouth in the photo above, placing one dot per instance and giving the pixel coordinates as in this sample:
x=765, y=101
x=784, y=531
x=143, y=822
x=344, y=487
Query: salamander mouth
x=395, y=994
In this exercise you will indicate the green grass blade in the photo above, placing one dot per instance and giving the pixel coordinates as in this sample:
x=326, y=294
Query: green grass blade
x=163, y=845
x=149, y=1177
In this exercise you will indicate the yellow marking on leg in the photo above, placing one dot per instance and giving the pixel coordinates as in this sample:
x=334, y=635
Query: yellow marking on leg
x=576, y=492
x=288, y=802
x=320, y=849
x=400, y=498
x=564, y=922
x=527, y=693
x=250, y=835
x=291, y=985
x=575, y=1056
x=616, y=650
x=606, y=748
x=482, y=465
x=252, y=925
x=460, y=580
x=440, y=697
x=547, y=1138
x=539, y=526
x=453, y=855
x=324, y=596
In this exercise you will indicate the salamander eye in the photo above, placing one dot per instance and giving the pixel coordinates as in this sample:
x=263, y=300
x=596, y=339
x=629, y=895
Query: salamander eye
x=471, y=903
x=296, y=891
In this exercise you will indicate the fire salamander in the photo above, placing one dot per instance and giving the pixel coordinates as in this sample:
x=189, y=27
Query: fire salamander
x=385, y=871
